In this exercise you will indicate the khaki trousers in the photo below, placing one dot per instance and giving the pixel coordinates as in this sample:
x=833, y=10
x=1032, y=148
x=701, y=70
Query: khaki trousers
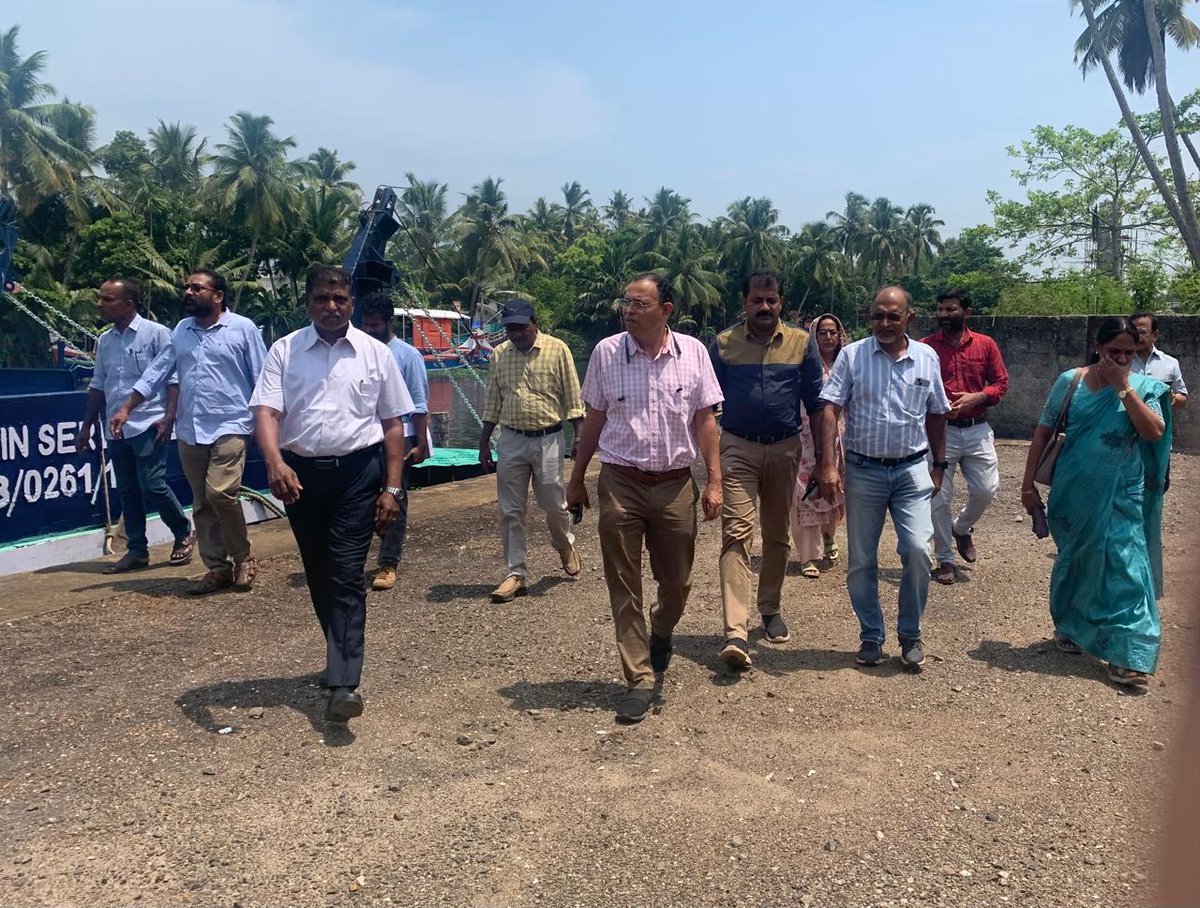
x=664, y=516
x=521, y=460
x=215, y=474
x=751, y=471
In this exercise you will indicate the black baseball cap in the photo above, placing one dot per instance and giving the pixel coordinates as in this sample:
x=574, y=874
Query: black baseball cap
x=517, y=312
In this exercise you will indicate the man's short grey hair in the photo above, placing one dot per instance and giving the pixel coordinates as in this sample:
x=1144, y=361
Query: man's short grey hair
x=908, y=300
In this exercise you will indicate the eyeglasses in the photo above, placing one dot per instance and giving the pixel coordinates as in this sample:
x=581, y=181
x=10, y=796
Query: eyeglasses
x=197, y=288
x=639, y=305
x=894, y=318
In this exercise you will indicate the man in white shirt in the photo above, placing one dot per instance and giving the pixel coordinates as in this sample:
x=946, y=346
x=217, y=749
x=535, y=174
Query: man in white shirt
x=1151, y=361
x=328, y=419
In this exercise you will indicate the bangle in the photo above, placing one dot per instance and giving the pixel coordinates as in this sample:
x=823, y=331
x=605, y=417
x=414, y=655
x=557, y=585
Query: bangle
x=1030, y=489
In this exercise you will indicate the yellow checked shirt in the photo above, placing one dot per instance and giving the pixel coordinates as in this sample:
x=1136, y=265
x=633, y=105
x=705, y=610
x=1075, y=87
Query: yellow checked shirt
x=533, y=390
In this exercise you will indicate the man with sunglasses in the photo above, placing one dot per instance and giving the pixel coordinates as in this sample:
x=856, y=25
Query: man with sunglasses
x=139, y=456
x=890, y=388
x=767, y=371
x=650, y=395
x=216, y=355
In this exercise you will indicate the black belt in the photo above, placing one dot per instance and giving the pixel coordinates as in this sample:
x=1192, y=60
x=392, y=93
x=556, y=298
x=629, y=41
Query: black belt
x=354, y=458
x=536, y=433
x=764, y=439
x=966, y=423
x=892, y=461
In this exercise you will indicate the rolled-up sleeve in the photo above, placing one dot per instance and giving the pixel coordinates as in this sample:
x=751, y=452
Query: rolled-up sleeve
x=157, y=372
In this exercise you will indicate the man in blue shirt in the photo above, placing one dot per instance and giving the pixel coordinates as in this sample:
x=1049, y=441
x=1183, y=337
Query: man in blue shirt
x=216, y=355
x=377, y=312
x=139, y=455
x=767, y=371
x=890, y=388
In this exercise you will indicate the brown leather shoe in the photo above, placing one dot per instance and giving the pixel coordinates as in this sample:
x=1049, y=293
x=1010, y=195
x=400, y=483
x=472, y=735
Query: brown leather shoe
x=571, y=563
x=512, y=587
x=945, y=573
x=384, y=579
x=216, y=579
x=244, y=573
x=965, y=545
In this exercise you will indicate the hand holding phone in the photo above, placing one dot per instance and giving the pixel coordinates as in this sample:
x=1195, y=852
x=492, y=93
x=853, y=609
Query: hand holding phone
x=577, y=513
x=810, y=489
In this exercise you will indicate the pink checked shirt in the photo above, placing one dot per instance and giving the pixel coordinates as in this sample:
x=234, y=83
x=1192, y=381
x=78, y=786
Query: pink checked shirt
x=650, y=401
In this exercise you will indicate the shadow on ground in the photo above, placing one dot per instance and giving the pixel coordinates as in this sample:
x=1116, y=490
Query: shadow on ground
x=1041, y=657
x=300, y=693
x=772, y=660
x=451, y=592
x=562, y=695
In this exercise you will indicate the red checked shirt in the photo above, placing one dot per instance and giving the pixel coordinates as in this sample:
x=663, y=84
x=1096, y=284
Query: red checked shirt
x=974, y=365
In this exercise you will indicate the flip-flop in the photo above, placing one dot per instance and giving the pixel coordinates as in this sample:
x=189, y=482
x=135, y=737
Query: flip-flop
x=1127, y=676
x=1067, y=645
x=810, y=570
x=182, y=551
x=127, y=563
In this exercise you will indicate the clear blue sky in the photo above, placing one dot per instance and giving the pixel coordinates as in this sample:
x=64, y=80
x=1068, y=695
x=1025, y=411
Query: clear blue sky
x=800, y=101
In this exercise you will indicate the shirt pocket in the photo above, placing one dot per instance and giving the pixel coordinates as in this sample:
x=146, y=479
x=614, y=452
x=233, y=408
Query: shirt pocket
x=914, y=399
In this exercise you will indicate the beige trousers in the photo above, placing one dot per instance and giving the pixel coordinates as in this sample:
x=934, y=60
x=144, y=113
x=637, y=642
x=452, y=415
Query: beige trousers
x=215, y=474
x=663, y=515
x=521, y=460
x=754, y=478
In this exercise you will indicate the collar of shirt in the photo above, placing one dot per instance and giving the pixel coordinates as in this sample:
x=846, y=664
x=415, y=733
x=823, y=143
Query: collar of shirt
x=939, y=336
x=776, y=338
x=353, y=336
x=221, y=322
x=907, y=354
x=134, y=324
x=632, y=348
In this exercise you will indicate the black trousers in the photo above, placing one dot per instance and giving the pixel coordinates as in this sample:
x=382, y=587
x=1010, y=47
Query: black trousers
x=333, y=521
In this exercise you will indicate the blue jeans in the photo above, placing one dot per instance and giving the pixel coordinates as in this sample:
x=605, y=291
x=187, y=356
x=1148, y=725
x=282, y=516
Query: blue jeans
x=906, y=491
x=141, y=470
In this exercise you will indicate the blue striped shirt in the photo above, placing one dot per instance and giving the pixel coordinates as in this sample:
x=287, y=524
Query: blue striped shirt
x=121, y=358
x=412, y=370
x=885, y=400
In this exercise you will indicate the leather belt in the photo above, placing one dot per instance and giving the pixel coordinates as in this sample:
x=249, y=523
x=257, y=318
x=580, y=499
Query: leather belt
x=650, y=479
x=764, y=439
x=891, y=461
x=536, y=433
x=361, y=456
x=966, y=423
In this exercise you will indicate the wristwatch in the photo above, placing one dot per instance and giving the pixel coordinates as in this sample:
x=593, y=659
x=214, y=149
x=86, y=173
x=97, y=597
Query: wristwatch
x=941, y=465
x=396, y=492
x=1125, y=392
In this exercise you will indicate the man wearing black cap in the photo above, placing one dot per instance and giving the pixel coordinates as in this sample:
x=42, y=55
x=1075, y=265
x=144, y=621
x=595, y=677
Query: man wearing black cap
x=532, y=387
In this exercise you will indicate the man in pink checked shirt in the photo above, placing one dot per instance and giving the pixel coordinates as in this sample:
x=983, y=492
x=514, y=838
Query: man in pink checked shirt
x=650, y=395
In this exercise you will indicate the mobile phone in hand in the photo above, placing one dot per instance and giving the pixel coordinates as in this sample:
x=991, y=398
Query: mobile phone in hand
x=577, y=513
x=1041, y=528
x=810, y=489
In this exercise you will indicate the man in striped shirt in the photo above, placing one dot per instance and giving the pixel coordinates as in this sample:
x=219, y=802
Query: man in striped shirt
x=650, y=394
x=890, y=388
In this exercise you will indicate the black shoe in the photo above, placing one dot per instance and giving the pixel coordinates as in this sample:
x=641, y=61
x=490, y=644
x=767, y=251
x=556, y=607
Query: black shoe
x=660, y=653
x=635, y=704
x=870, y=654
x=776, y=628
x=965, y=545
x=912, y=654
x=734, y=654
x=344, y=703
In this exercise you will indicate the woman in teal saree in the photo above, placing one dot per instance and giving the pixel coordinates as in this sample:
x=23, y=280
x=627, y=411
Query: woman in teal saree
x=1105, y=507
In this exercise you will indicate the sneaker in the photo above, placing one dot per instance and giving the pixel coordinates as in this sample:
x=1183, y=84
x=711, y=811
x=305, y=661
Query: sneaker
x=512, y=587
x=660, y=652
x=965, y=546
x=635, y=704
x=734, y=654
x=214, y=580
x=244, y=573
x=870, y=654
x=776, y=628
x=384, y=579
x=912, y=653
x=571, y=563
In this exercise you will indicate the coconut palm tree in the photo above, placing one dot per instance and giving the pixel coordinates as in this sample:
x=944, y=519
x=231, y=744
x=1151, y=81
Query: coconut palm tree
x=818, y=262
x=753, y=238
x=546, y=217
x=602, y=300
x=667, y=215
x=1135, y=30
x=176, y=158
x=252, y=180
x=491, y=249
x=619, y=210
x=884, y=240
x=576, y=210
x=849, y=224
x=326, y=171
x=425, y=227
x=35, y=160
x=691, y=267
x=923, y=227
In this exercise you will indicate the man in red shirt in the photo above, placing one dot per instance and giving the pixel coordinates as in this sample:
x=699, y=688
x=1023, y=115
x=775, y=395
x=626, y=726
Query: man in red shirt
x=975, y=378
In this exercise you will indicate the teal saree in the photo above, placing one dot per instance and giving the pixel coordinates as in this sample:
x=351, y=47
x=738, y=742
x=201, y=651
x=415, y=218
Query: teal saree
x=1105, y=514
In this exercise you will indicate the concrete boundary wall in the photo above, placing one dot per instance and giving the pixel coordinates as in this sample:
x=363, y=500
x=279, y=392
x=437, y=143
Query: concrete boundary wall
x=1037, y=348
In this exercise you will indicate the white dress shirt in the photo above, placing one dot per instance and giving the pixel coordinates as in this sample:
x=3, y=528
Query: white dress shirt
x=332, y=396
x=885, y=400
x=1162, y=366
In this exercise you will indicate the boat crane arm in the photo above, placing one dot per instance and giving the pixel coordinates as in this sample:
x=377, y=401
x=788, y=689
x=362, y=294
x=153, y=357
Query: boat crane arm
x=366, y=263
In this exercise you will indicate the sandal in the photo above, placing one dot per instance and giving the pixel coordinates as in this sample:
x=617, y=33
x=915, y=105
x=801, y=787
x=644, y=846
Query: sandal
x=1127, y=676
x=181, y=553
x=1067, y=645
x=810, y=570
x=128, y=562
x=945, y=573
x=832, y=552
